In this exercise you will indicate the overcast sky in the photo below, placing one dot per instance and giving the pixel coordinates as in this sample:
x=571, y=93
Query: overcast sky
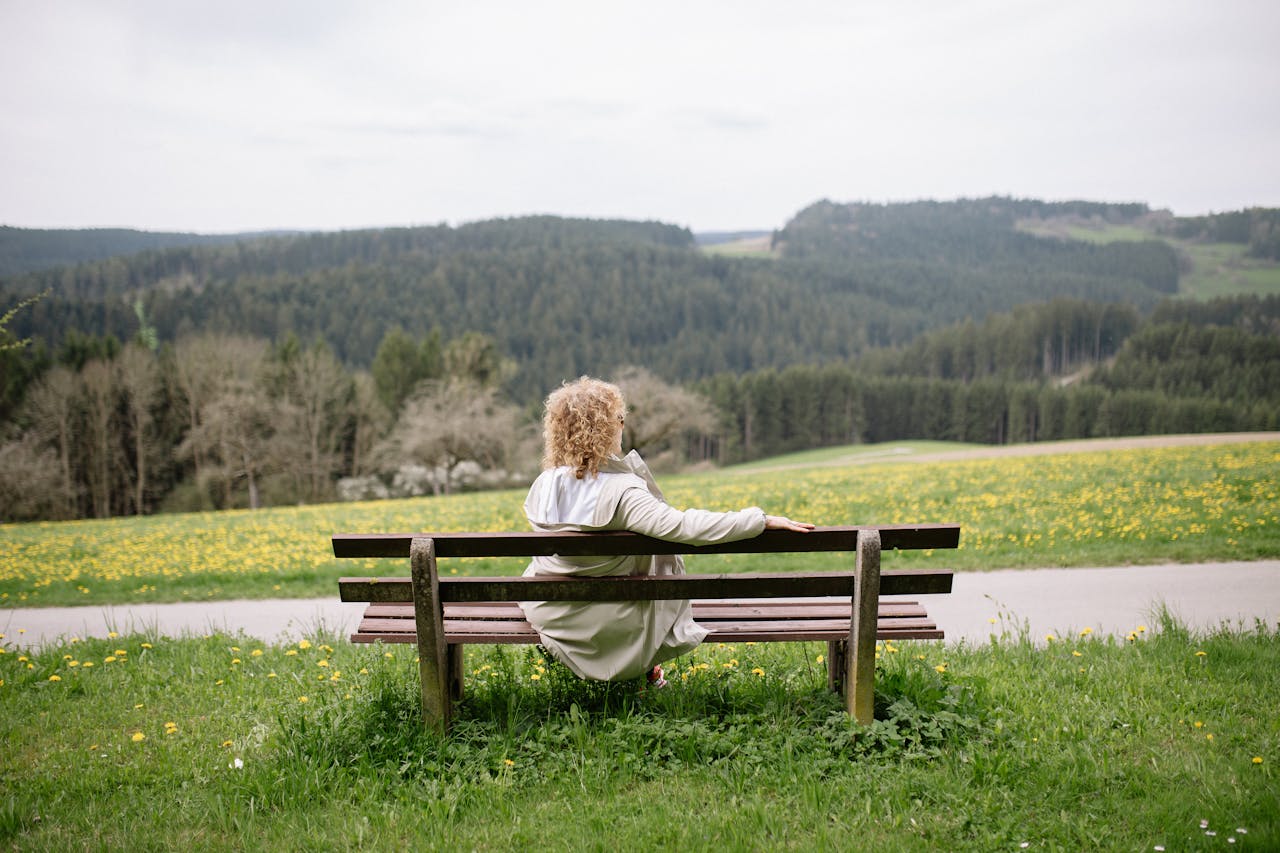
x=318, y=114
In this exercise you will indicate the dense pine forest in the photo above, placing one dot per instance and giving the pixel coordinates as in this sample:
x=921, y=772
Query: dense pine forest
x=194, y=373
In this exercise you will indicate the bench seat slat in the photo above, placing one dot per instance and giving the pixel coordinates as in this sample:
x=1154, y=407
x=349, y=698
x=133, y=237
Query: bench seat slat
x=767, y=631
x=519, y=631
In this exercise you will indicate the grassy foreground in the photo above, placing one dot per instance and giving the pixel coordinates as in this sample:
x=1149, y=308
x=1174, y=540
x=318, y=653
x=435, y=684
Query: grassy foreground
x=1111, y=507
x=1166, y=741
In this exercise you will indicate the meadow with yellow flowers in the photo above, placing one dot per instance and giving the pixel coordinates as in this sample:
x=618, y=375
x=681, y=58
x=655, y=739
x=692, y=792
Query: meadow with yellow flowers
x=1109, y=507
x=1163, y=740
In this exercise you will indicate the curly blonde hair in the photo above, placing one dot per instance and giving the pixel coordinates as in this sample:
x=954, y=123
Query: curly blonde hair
x=580, y=423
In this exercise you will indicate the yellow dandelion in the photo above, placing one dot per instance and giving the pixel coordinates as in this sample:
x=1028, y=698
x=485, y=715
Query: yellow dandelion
x=1075, y=653
x=365, y=671
x=87, y=664
x=256, y=653
x=139, y=737
x=137, y=707
x=940, y=668
x=112, y=635
x=303, y=699
x=304, y=645
x=1257, y=759
x=387, y=655
x=235, y=648
x=820, y=659
x=120, y=652
x=227, y=743
x=219, y=682
x=93, y=748
x=758, y=671
x=1084, y=632
x=1049, y=638
x=1202, y=654
x=535, y=677
x=508, y=762
x=1209, y=736
x=271, y=675
x=147, y=646
x=73, y=663
x=235, y=661
x=322, y=663
x=1198, y=724
x=991, y=620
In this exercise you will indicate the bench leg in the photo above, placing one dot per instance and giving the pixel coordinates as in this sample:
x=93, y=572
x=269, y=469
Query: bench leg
x=837, y=652
x=433, y=657
x=861, y=667
x=455, y=672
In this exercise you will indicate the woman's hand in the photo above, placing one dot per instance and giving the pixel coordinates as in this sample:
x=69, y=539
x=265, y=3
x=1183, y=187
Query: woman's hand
x=781, y=522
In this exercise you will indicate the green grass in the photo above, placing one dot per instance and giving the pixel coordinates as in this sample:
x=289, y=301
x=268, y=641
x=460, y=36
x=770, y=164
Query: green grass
x=1100, y=508
x=1086, y=231
x=1083, y=744
x=851, y=454
x=1217, y=269
x=1224, y=269
x=751, y=247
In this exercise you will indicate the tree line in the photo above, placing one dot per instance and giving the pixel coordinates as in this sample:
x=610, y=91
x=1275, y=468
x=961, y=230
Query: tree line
x=218, y=421
x=565, y=297
x=1193, y=367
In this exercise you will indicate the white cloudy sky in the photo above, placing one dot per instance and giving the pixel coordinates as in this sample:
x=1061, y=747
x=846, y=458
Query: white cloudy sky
x=233, y=115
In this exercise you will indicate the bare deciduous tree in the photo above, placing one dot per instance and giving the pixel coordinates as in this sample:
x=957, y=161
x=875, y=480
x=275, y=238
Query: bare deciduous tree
x=51, y=407
x=31, y=482
x=100, y=382
x=370, y=422
x=660, y=415
x=445, y=423
x=139, y=376
x=314, y=393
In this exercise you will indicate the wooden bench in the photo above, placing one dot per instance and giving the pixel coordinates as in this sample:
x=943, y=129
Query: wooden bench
x=442, y=614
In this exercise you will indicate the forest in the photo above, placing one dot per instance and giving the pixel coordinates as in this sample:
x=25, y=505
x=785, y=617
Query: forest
x=305, y=367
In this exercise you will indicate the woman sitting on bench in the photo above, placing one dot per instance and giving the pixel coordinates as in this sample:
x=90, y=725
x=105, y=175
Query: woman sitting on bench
x=589, y=485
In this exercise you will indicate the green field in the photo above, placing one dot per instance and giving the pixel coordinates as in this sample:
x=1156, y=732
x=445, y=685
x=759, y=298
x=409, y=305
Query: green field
x=1216, y=269
x=751, y=247
x=1097, y=508
x=223, y=743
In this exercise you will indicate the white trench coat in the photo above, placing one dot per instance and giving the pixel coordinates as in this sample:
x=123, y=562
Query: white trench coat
x=620, y=640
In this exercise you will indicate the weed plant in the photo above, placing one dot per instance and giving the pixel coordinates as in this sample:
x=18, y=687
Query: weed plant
x=1066, y=743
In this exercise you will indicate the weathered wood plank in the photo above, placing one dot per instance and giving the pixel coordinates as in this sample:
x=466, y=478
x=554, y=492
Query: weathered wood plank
x=702, y=610
x=526, y=544
x=498, y=633
x=433, y=663
x=860, y=693
x=647, y=588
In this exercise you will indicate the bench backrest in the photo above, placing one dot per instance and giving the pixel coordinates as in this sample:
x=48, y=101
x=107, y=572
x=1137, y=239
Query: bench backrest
x=623, y=543
x=707, y=586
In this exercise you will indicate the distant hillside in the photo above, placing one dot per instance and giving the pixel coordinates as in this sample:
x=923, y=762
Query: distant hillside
x=25, y=250
x=562, y=296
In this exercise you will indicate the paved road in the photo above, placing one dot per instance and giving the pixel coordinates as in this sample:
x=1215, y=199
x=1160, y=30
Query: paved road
x=1111, y=601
